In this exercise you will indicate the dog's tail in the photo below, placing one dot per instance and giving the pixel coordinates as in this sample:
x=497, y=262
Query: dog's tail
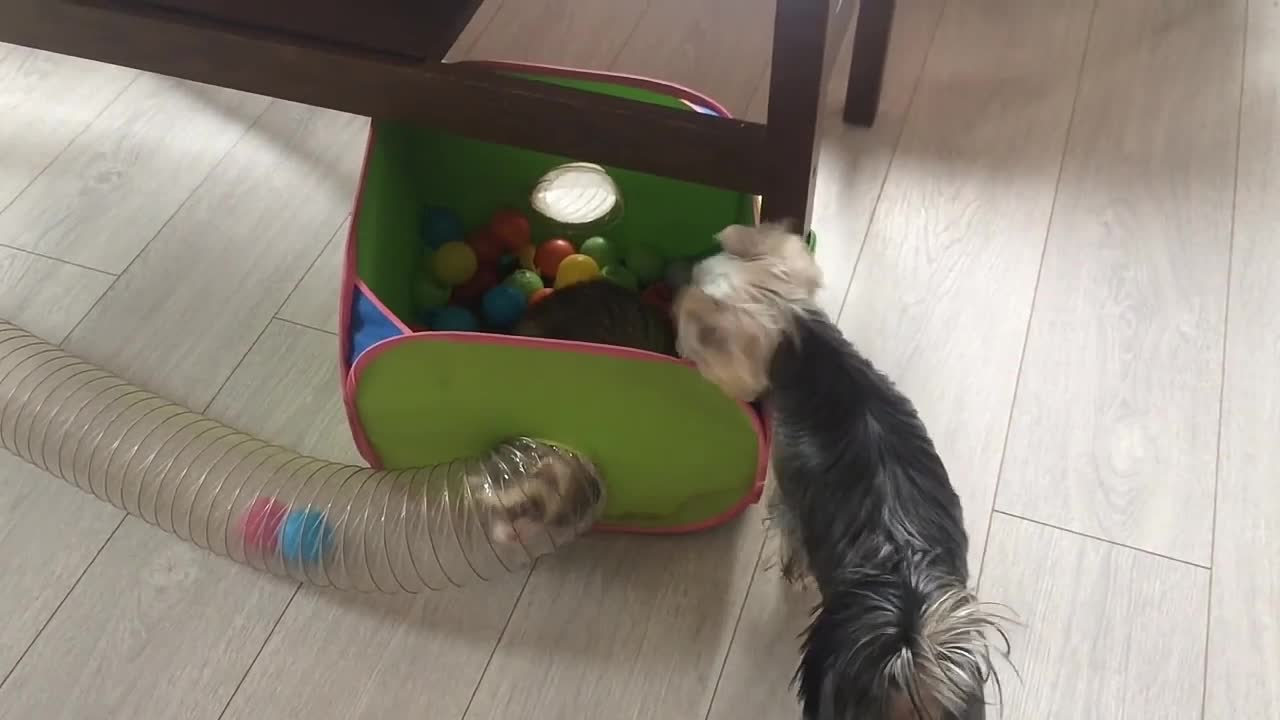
x=899, y=645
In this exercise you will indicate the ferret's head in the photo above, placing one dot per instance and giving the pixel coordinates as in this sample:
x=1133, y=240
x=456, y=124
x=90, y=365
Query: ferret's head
x=741, y=302
x=533, y=492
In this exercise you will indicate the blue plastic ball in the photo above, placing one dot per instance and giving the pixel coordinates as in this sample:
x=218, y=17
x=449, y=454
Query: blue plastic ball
x=305, y=536
x=452, y=318
x=441, y=225
x=503, y=306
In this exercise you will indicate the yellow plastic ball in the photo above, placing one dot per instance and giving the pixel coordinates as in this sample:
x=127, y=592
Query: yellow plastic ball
x=575, y=269
x=455, y=263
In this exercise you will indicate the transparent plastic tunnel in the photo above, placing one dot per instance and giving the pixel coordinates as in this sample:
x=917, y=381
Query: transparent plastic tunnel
x=316, y=521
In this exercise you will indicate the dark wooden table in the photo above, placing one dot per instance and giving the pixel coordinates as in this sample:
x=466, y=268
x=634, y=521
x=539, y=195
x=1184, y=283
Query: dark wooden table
x=382, y=58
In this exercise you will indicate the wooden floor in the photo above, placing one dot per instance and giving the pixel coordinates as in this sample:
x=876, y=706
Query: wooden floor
x=1060, y=239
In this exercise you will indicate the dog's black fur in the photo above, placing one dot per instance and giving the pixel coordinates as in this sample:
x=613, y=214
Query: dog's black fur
x=869, y=508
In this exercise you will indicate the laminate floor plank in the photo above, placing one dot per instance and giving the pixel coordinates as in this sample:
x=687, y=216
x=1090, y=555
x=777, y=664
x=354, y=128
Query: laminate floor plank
x=585, y=34
x=314, y=302
x=46, y=296
x=1129, y=316
x=622, y=627
x=103, y=199
x=47, y=100
x=943, y=290
x=1106, y=631
x=1244, y=636
x=854, y=162
x=713, y=47
x=226, y=262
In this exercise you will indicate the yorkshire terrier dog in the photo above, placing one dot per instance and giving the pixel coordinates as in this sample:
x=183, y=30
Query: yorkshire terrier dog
x=863, y=503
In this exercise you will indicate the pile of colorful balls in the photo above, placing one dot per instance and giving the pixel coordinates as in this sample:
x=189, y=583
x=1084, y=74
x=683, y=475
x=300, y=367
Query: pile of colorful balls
x=485, y=278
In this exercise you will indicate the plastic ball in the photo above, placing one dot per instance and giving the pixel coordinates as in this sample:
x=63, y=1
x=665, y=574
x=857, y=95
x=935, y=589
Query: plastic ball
x=452, y=318
x=428, y=293
x=575, y=269
x=526, y=258
x=540, y=295
x=262, y=523
x=455, y=262
x=440, y=226
x=678, y=273
x=600, y=250
x=550, y=254
x=526, y=281
x=503, y=306
x=645, y=263
x=474, y=288
x=305, y=537
x=621, y=276
x=487, y=247
x=511, y=228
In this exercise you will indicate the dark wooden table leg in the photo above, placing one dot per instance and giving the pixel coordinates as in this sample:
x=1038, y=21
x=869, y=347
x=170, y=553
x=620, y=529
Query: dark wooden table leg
x=870, y=49
x=795, y=103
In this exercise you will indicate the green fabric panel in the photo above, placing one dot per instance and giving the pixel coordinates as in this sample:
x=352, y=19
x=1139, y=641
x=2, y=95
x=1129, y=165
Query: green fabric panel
x=672, y=447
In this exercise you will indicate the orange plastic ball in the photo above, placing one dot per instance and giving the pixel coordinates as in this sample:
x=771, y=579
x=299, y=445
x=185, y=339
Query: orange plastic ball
x=540, y=295
x=550, y=254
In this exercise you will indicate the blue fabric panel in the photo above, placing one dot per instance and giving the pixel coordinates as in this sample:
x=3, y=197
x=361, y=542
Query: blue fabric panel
x=368, y=326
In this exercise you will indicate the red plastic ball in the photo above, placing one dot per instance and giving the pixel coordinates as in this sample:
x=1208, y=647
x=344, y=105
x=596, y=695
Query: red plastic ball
x=487, y=246
x=262, y=523
x=512, y=229
x=485, y=277
x=540, y=295
x=550, y=254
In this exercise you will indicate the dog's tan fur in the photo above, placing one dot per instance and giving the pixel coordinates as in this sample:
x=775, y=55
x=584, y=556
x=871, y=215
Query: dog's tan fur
x=734, y=312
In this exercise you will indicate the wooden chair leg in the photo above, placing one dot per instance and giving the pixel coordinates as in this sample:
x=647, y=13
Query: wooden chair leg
x=870, y=50
x=795, y=103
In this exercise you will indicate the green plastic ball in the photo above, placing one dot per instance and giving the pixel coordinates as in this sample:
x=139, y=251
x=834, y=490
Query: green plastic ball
x=526, y=281
x=429, y=293
x=455, y=262
x=621, y=276
x=645, y=263
x=600, y=250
